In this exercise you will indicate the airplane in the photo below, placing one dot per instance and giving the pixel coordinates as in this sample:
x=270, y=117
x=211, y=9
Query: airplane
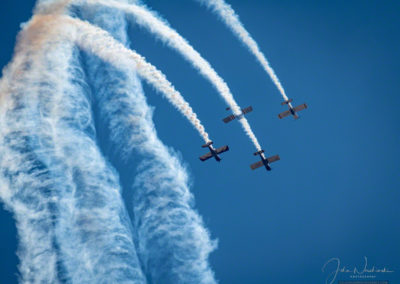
x=293, y=111
x=213, y=152
x=264, y=161
x=232, y=116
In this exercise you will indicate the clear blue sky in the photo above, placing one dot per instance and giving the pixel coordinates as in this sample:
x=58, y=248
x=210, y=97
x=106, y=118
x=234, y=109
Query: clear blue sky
x=335, y=193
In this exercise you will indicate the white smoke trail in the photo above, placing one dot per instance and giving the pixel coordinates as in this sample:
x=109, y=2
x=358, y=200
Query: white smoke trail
x=103, y=45
x=26, y=179
x=95, y=234
x=99, y=42
x=23, y=190
x=148, y=20
x=66, y=200
x=173, y=244
x=62, y=235
x=160, y=28
x=231, y=19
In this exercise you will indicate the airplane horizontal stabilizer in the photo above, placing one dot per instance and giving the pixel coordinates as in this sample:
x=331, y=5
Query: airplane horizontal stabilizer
x=286, y=102
x=207, y=144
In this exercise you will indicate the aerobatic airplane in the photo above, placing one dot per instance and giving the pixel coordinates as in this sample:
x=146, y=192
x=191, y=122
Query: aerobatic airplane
x=293, y=111
x=213, y=152
x=232, y=116
x=264, y=161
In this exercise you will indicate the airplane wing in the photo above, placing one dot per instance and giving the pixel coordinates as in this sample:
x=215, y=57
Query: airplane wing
x=300, y=107
x=229, y=118
x=284, y=114
x=206, y=156
x=256, y=165
x=222, y=149
x=273, y=159
x=247, y=109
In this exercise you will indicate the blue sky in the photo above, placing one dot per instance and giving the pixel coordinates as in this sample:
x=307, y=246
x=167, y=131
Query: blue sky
x=335, y=192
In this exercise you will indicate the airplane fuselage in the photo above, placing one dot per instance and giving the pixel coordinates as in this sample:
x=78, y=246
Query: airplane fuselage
x=237, y=116
x=240, y=116
x=264, y=161
x=291, y=108
x=266, y=164
x=214, y=153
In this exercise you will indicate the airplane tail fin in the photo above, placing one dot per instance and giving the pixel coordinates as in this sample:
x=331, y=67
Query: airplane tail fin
x=207, y=144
